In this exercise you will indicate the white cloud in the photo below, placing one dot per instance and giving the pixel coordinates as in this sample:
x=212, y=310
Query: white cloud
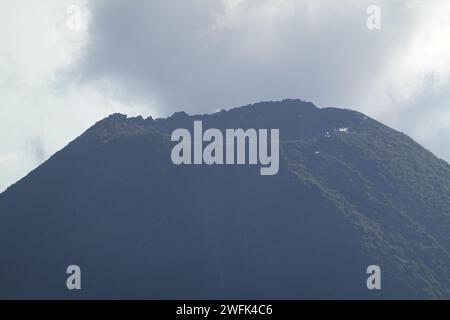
x=162, y=56
x=41, y=108
x=421, y=60
x=204, y=55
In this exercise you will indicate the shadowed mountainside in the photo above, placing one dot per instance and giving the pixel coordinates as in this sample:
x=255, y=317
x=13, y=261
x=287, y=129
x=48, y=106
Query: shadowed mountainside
x=350, y=192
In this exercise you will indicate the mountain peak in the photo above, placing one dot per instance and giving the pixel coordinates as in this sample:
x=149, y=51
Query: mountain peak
x=179, y=115
x=350, y=192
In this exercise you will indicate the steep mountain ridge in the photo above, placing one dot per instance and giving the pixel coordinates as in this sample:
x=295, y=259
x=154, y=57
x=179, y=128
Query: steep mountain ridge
x=350, y=192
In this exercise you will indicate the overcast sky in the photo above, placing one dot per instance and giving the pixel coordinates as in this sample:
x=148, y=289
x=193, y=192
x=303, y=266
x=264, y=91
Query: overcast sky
x=65, y=64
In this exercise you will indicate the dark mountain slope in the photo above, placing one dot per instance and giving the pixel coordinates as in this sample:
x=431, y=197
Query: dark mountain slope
x=350, y=192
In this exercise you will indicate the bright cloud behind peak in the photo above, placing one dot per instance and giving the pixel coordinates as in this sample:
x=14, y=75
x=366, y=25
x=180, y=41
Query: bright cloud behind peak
x=157, y=57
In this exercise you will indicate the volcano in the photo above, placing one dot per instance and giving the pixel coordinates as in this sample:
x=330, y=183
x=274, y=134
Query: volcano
x=350, y=192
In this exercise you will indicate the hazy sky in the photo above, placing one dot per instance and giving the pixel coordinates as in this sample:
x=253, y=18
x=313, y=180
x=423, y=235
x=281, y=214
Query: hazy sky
x=65, y=64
